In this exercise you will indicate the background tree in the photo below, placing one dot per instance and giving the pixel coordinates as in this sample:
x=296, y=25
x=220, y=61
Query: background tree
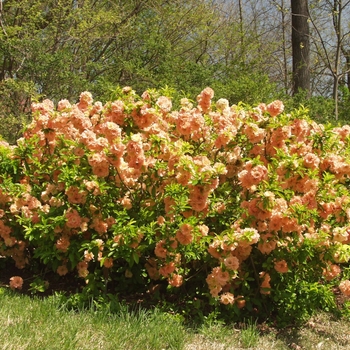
x=332, y=45
x=300, y=45
x=58, y=48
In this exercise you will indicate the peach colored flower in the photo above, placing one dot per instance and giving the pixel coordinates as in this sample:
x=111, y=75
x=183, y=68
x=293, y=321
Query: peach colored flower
x=115, y=112
x=175, y=280
x=134, y=146
x=225, y=136
x=16, y=282
x=221, y=277
x=281, y=266
x=242, y=252
x=101, y=169
x=10, y=241
x=62, y=270
x=4, y=229
x=164, y=103
x=33, y=203
x=265, y=284
x=88, y=138
x=183, y=123
x=215, y=249
x=301, y=129
x=290, y=225
x=326, y=209
x=55, y=202
x=62, y=244
x=266, y=247
x=183, y=177
x=198, y=198
x=63, y=105
x=75, y=196
x=184, y=234
x=247, y=236
x=82, y=268
x=73, y=218
x=137, y=162
x=231, y=263
x=184, y=238
x=160, y=220
x=45, y=208
x=227, y=298
x=344, y=287
x=331, y=271
x=343, y=132
x=126, y=202
x=108, y=263
x=258, y=173
x=118, y=239
x=110, y=221
x=250, y=175
x=255, y=209
x=85, y=100
x=167, y=269
x=240, y=301
x=159, y=250
x=311, y=160
x=211, y=280
x=151, y=267
x=91, y=185
x=99, y=225
x=222, y=104
x=100, y=244
x=215, y=290
x=275, y=108
x=111, y=131
x=203, y=230
x=145, y=117
x=254, y=133
x=220, y=207
x=204, y=99
x=185, y=103
x=340, y=234
x=88, y=256
x=43, y=107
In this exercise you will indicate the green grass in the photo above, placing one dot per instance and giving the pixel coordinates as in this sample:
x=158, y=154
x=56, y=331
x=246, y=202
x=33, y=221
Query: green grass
x=46, y=324
x=38, y=324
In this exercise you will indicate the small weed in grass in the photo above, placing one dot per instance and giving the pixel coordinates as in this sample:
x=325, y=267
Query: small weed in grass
x=249, y=336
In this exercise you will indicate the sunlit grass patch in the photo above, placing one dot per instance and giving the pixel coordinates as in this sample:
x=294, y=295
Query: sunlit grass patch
x=47, y=323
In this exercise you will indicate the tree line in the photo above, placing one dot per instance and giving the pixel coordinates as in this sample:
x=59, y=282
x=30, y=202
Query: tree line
x=251, y=51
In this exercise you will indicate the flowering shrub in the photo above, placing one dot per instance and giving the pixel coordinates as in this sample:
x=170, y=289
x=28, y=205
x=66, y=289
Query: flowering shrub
x=248, y=207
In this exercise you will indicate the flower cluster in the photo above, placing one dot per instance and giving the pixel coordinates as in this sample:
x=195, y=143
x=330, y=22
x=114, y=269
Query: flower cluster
x=133, y=189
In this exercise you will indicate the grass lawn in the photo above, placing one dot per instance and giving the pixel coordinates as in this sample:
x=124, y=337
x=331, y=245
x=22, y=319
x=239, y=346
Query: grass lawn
x=45, y=323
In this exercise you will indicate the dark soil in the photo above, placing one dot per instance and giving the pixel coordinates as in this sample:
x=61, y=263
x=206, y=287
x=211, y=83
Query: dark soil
x=71, y=284
x=66, y=284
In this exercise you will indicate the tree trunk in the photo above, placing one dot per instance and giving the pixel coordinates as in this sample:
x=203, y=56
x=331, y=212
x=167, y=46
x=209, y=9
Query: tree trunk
x=348, y=70
x=300, y=46
x=284, y=48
